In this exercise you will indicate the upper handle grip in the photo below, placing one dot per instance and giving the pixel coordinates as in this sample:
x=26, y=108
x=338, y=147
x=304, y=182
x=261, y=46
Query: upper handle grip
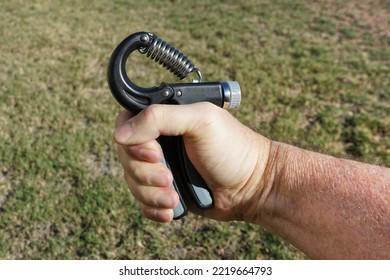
x=128, y=94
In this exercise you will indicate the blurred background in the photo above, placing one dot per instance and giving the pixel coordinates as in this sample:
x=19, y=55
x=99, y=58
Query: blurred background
x=312, y=73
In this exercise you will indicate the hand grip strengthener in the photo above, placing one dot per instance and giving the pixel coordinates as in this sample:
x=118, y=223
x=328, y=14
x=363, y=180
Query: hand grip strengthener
x=187, y=182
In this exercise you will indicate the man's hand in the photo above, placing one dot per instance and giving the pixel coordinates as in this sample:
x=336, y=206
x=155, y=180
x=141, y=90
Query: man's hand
x=230, y=157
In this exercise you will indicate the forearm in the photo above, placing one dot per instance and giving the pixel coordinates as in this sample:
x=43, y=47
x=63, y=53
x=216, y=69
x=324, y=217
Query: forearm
x=327, y=207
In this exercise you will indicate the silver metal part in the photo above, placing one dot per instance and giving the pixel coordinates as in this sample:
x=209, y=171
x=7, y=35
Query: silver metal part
x=197, y=71
x=169, y=57
x=232, y=94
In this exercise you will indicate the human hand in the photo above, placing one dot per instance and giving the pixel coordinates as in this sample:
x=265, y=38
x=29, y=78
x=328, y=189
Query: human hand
x=230, y=157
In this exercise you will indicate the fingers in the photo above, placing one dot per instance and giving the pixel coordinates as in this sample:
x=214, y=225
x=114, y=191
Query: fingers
x=150, y=152
x=145, y=173
x=160, y=120
x=157, y=214
x=140, y=154
x=151, y=195
x=156, y=202
x=150, y=183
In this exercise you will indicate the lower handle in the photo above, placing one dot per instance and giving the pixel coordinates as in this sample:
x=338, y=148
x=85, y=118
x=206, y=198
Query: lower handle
x=195, y=184
x=187, y=180
x=180, y=210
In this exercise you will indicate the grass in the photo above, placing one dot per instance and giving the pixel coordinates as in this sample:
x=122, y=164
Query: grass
x=313, y=73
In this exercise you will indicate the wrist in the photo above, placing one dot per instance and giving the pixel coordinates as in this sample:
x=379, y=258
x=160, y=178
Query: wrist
x=268, y=183
x=260, y=183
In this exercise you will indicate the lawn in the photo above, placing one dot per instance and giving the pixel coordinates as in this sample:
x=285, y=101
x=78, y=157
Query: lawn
x=313, y=73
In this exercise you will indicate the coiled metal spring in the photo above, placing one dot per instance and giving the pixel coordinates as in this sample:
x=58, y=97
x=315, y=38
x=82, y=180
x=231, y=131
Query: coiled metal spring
x=170, y=58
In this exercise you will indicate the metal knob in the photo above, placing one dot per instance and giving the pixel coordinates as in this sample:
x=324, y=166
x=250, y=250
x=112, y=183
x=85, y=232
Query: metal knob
x=232, y=94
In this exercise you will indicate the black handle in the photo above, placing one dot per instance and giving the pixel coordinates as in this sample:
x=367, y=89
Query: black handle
x=169, y=150
x=190, y=184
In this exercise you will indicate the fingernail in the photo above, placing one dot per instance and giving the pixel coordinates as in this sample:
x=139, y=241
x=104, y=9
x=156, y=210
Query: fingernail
x=165, y=200
x=123, y=132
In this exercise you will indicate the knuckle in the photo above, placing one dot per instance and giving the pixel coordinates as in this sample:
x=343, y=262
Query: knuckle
x=140, y=176
x=135, y=172
x=150, y=113
x=214, y=114
x=206, y=106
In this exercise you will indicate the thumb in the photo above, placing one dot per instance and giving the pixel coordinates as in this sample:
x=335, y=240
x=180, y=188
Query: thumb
x=156, y=120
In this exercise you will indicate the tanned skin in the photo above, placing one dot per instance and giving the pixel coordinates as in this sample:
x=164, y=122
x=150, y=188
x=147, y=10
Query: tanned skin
x=330, y=208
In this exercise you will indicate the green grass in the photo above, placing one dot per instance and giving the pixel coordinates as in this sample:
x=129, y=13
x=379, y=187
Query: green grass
x=315, y=74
